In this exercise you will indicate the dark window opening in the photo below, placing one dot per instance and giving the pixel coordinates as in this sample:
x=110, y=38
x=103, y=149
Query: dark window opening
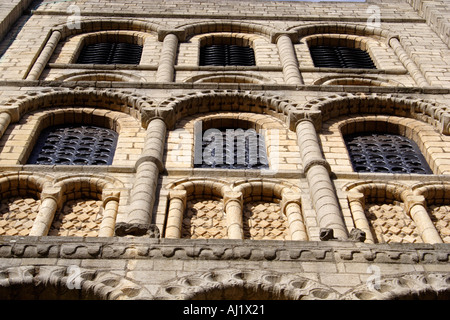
x=226, y=55
x=340, y=57
x=110, y=53
x=74, y=145
x=387, y=153
x=231, y=149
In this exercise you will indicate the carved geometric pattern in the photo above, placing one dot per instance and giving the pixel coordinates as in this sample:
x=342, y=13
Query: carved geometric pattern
x=17, y=216
x=440, y=215
x=78, y=218
x=245, y=285
x=391, y=224
x=264, y=221
x=60, y=282
x=204, y=219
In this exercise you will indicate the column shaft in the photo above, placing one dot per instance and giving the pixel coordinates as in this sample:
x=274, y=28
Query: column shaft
x=419, y=214
x=44, y=218
x=175, y=216
x=5, y=120
x=165, y=71
x=44, y=57
x=356, y=203
x=233, y=211
x=295, y=220
x=143, y=193
x=323, y=194
x=109, y=218
x=288, y=60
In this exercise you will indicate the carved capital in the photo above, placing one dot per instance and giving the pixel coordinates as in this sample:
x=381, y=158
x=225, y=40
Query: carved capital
x=178, y=194
x=233, y=196
x=288, y=198
x=414, y=200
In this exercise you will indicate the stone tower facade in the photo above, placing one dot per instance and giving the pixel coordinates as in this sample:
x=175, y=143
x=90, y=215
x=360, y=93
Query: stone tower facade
x=115, y=132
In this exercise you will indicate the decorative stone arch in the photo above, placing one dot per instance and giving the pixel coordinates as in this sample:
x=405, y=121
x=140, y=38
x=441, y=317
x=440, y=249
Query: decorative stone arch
x=285, y=200
x=391, y=39
x=329, y=107
x=179, y=216
x=401, y=208
x=342, y=28
x=104, y=189
x=114, y=24
x=24, y=183
x=245, y=285
x=416, y=285
x=201, y=186
x=434, y=192
x=201, y=27
x=178, y=107
x=101, y=76
x=70, y=282
x=351, y=80
x=123, y=101
x=229, y=77
x=433, y=199
x=25, y=195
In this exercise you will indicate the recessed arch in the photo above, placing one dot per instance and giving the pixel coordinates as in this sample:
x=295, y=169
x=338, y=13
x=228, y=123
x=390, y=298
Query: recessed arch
x=202, y=27
x=67, y=282
x=127, y=102
x=347, y=103
x=212, y=101
x=351, y=80
x=245, y=284
x=412, y=286
x=342, y=28
x=101, y=76
x=96, y=25
x=214, y=188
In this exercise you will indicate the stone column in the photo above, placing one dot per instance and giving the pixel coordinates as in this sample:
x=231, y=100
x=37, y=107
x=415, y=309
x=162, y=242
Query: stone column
x=291, y=207
x=288, y=60
x=110, y=208
x=169, y=51
x=357, y=203
x=50, y=200
x=5, y=120
x=177, y=205
x=143, y=193
x=317, y=172
x=409, y=64
x=233, y=204
x=44, y=57
x=416, y=207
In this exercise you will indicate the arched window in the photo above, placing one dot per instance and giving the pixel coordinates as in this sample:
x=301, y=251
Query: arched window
x=74, y=145
x=229, y=148
x=340, y=57
x=389, y=153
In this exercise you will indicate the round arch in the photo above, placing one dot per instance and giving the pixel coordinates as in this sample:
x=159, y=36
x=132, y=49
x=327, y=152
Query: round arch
x=337, y=105
x=66, y=282
x=122, y=101
x=226, y=100
x=413, y=286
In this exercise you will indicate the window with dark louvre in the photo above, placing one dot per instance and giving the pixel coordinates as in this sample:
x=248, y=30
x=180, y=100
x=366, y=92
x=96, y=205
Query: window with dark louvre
x=388, y=153
x=226, y=55
x=74, y=145
x=110, y=53
x=340, y=57
x=232, y=149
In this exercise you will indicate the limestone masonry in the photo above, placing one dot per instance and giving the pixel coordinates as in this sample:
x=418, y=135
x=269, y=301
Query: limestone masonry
x=250, y=149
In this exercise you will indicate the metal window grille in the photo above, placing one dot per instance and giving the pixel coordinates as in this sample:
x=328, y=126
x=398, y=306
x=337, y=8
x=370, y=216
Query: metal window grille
x=385, y=153
x=340, y=57
x=236, y=149
x=74, y=145
x=110, y=53
x=227, y=55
